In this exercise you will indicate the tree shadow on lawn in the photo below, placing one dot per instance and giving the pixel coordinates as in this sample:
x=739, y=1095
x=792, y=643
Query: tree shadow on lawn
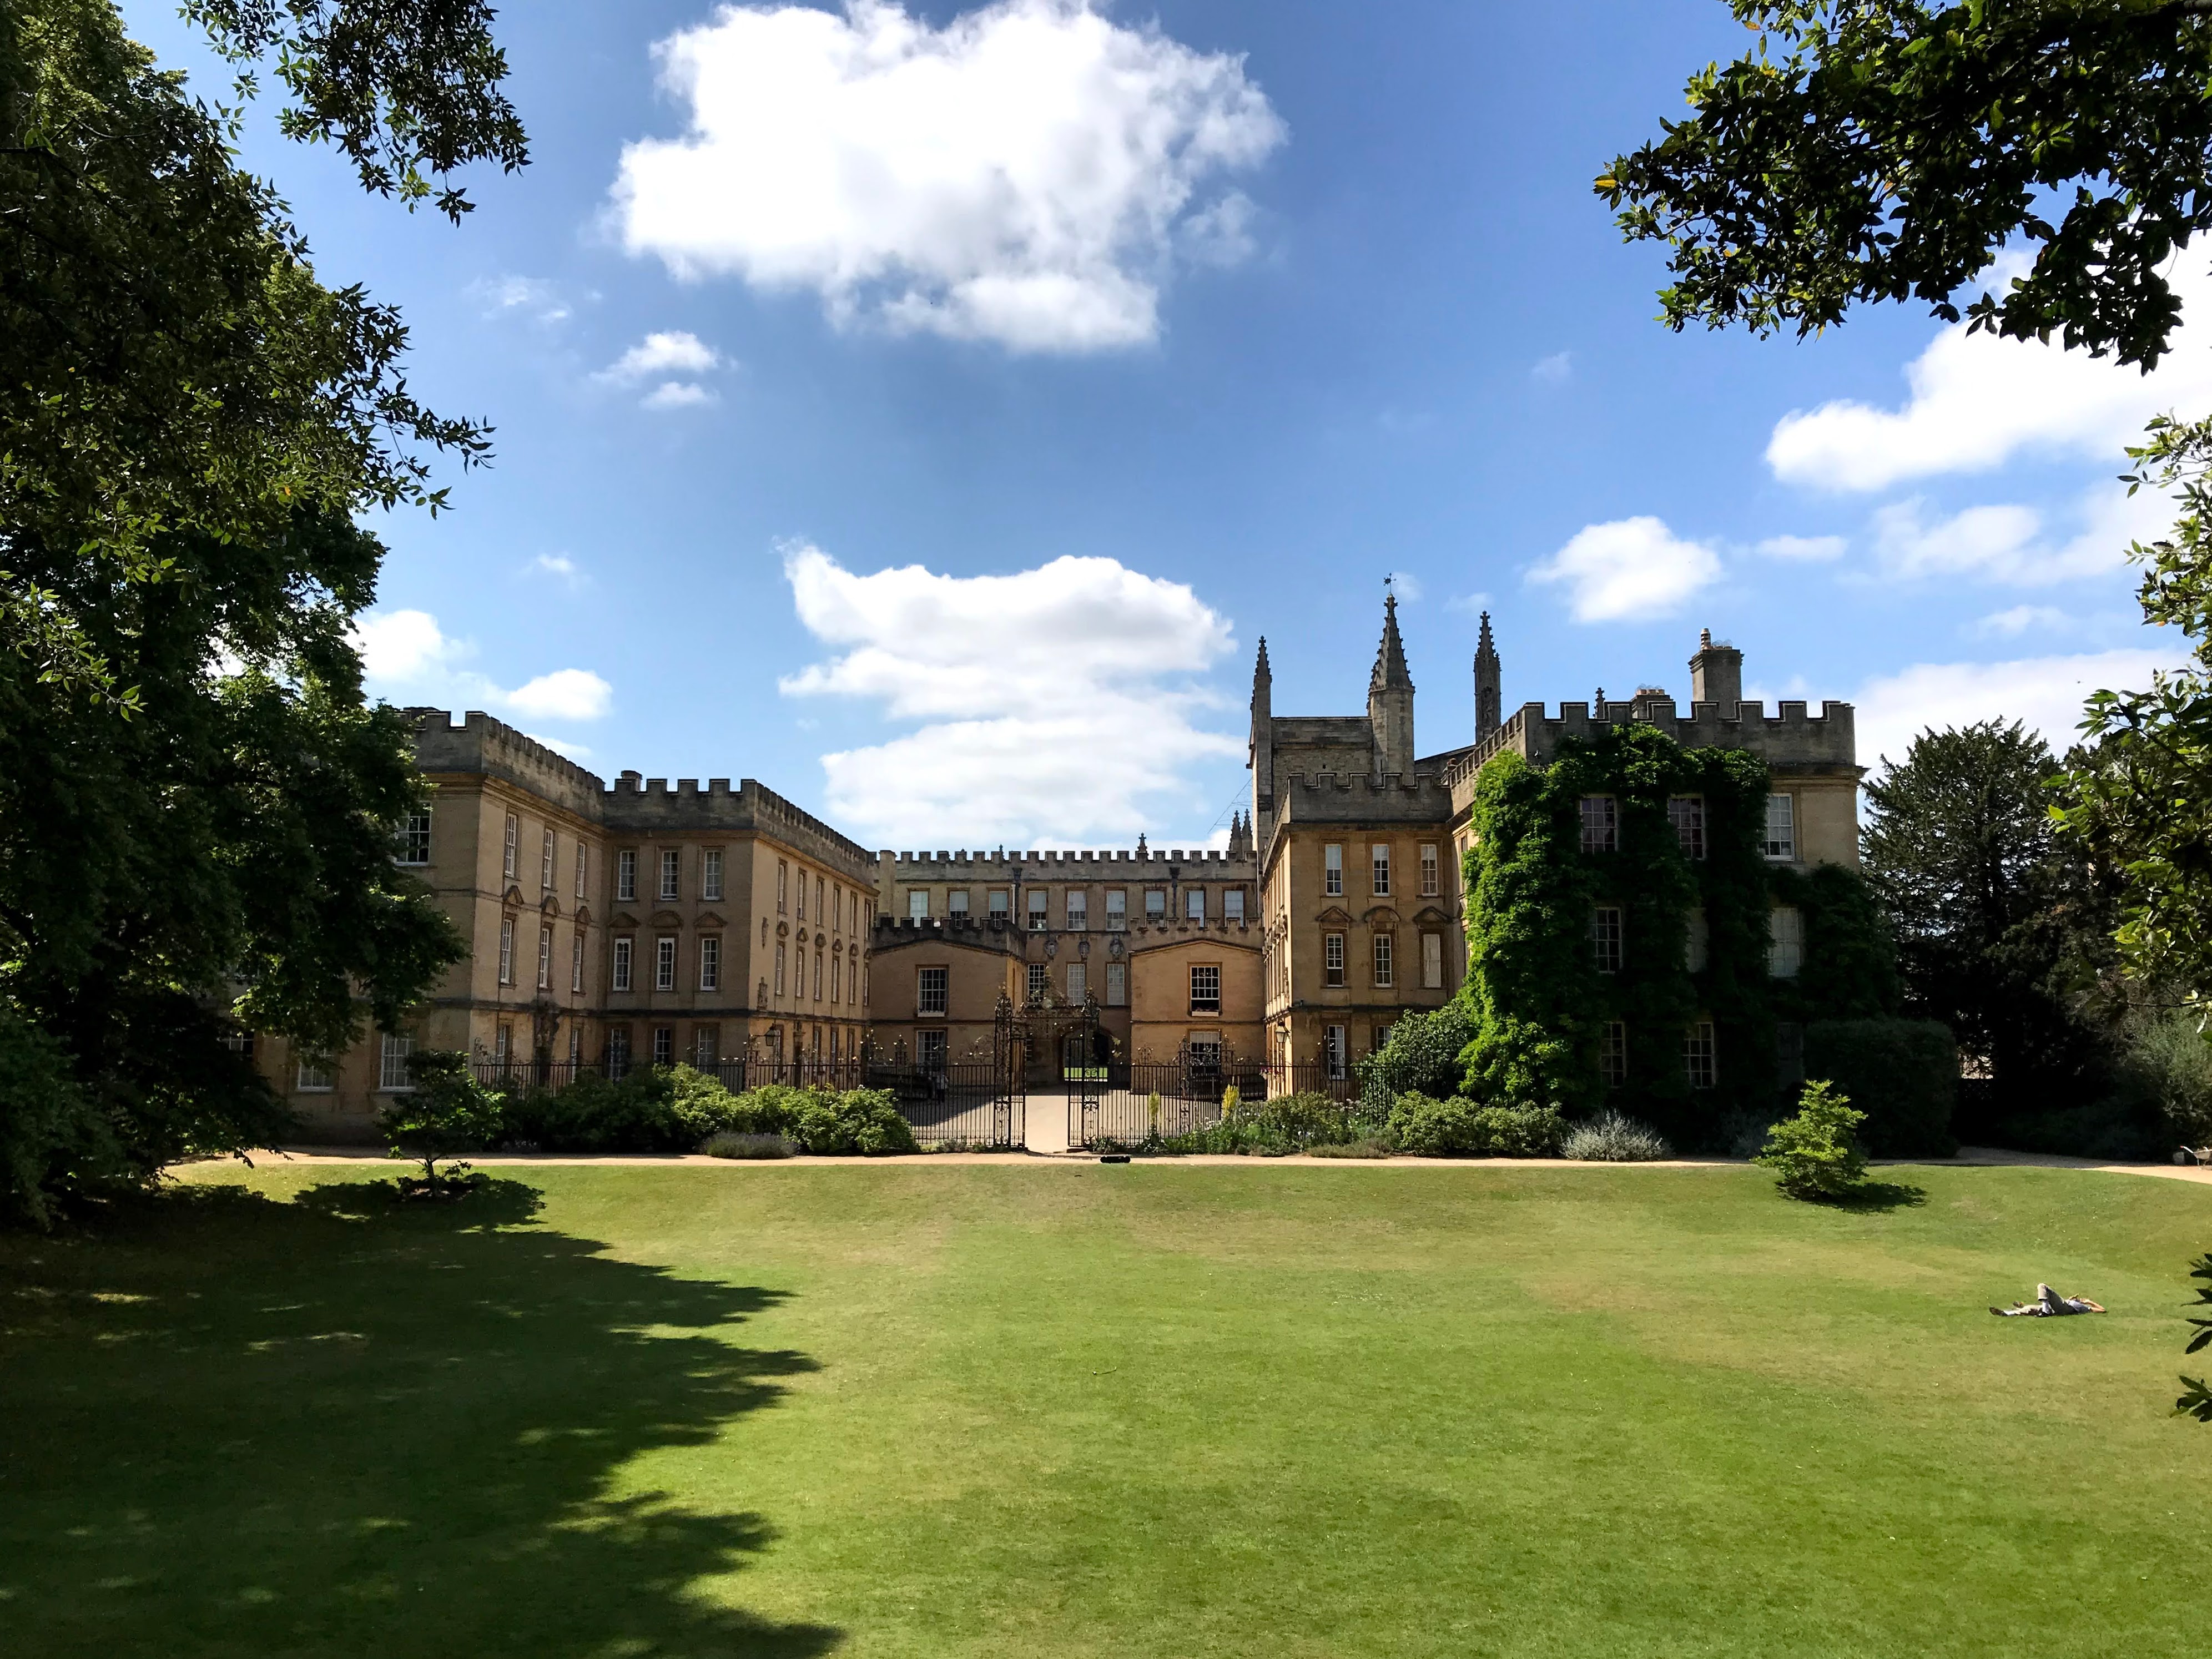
x=345, y=1425
x=1878, y=1197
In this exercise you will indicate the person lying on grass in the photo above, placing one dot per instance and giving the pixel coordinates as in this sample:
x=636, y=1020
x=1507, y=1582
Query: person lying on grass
x=2048, y=1304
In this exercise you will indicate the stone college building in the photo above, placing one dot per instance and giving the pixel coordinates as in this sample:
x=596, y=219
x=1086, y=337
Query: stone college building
x=631, y=923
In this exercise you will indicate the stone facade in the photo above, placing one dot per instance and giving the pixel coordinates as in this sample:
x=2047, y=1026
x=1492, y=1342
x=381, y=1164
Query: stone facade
x=1166, y=943
x=1360, y=846
x=634, y=922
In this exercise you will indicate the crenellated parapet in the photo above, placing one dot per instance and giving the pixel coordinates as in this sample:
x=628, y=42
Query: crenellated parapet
x=642, y=805
x=1790, y=738
x=1089, y=865
x=1328, y=796
x=481, y=745
x=633, y=803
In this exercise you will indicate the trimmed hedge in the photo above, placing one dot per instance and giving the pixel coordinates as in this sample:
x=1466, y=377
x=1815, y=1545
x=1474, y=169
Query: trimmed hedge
x=1902, y=1073
x=1461, y=1128
x=675, y=1109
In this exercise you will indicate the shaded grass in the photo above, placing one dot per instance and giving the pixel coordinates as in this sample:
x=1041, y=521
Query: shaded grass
x=1157, y=1409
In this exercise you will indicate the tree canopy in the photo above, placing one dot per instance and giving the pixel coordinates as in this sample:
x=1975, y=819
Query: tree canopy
x=1892, y=150
x=1999, y=920
x=196, y=798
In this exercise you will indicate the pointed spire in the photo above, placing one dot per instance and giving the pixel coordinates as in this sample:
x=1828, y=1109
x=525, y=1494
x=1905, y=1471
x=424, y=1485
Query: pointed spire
x=1390, y=672
x=1485, y=648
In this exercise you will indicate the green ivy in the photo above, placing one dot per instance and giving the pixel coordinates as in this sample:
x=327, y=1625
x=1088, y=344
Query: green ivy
x=1533, y=995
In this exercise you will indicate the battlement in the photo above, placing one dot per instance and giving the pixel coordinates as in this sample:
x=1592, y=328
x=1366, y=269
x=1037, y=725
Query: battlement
x=632, y=804
x=1091, y=864
x=478, y=743
x=1328, y=796
x=1791, y=737
x=639, y=805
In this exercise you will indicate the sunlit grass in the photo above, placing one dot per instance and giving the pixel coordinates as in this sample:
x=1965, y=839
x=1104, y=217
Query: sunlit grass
x=1143, y=1410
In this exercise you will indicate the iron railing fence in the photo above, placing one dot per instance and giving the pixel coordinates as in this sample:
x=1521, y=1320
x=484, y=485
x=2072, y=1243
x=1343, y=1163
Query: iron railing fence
x=962, y=1103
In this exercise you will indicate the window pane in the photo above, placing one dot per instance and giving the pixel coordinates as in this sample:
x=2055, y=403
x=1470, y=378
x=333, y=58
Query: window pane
x=1432, y=961
x=1600, y=823
x=917, y=904
x=1605, y=938
x=1205, y=989
x=1383, y=945
x=1232, y=904
x=1193, y=904
x=1785, y=945
x=1782, y=827
x=1332, y=869
x=931, y=993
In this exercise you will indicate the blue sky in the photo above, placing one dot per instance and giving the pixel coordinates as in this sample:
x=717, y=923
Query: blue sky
x=927, y=412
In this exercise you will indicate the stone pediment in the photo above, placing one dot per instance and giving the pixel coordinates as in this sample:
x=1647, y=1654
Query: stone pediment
x=513, y=897
x=1429, y=913
x=708, y=918
x=1335, y=913
x=583, y=916
x=667, y=919
x=623, y=919
x=548, y=906
x=1381, y=916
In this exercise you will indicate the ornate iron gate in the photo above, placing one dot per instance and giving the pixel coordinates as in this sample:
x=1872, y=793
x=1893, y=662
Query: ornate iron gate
x=1085, y=1052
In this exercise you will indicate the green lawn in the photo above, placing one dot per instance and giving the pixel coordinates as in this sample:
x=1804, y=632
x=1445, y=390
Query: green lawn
x=1154, y=1410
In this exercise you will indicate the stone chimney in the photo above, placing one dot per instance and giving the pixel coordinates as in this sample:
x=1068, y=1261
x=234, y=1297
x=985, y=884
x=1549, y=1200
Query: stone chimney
x=1717, y=674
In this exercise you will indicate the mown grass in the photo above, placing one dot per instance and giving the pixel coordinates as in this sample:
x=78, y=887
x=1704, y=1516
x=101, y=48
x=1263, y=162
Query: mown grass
x=1150, y=1410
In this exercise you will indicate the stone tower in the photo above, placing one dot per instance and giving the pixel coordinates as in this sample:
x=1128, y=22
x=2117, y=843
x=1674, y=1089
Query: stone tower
x=1488, y=710
x=1717, y=674
x=1390, y=698
x=1260, y=757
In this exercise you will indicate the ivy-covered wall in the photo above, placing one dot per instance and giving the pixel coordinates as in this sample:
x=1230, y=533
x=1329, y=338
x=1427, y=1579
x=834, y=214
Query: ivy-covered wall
x=1537, y=1000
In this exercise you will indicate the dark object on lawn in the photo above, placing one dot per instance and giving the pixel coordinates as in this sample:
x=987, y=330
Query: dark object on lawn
x=1114, y=1158
x=2049, y=1304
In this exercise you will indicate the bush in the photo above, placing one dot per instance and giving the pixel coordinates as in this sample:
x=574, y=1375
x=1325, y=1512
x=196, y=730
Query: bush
x=2167, y=1052
x=1423, y=1056
x=1460, y=1128
x=1610, y=1138
x=858, y=1120
x=1904, y=1074
x=1272, y=1128
x=1366, y=1147
x=1816, y=1154
x=675, y=1109
x=731, y=1143
x=447, y=1113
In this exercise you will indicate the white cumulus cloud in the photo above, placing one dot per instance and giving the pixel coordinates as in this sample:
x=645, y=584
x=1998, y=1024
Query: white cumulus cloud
x=1628, y=570
x=676, y=351
x=533, y=296
x=2010, y=624
x=671, y=352
x=566, y=694
x=1029, y=173
x=407, y=657
x=2046, y=692
x=1053, y=703
x=1975, y=401
x=2009, y=543
x=677, y=394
